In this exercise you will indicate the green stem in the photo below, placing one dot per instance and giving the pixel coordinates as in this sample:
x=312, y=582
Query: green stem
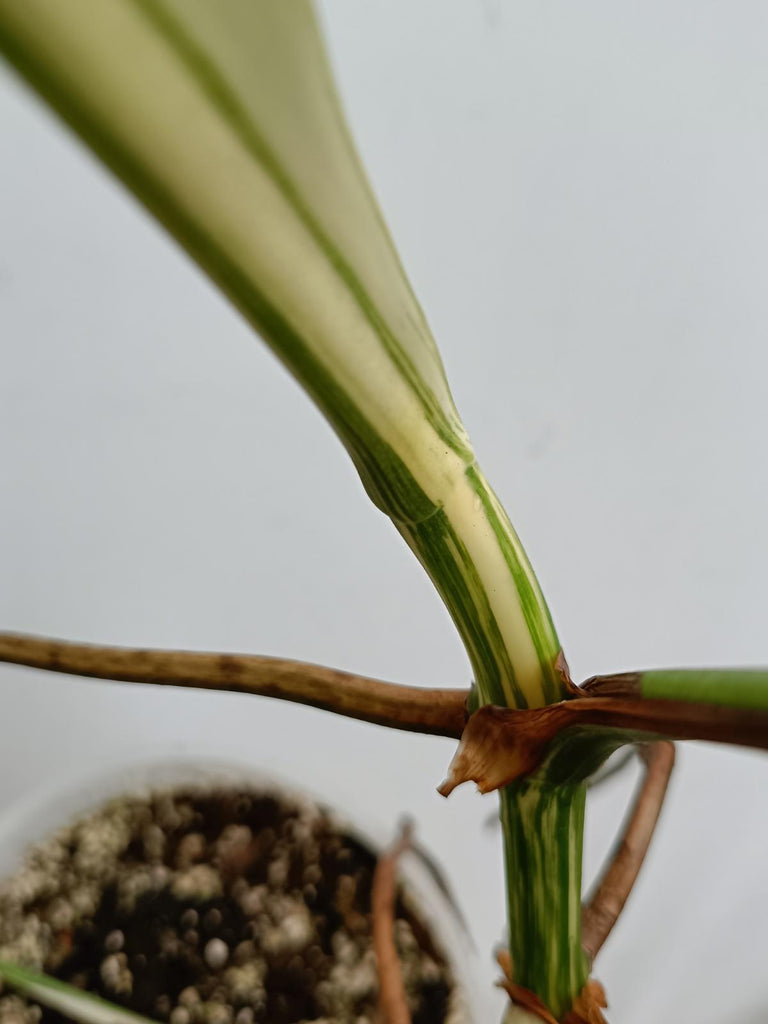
x=543, y=840
x=516, y=666
x=736, y=687
x=477, y=563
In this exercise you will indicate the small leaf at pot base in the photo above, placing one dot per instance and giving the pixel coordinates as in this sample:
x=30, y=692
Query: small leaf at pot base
x=72, y=1002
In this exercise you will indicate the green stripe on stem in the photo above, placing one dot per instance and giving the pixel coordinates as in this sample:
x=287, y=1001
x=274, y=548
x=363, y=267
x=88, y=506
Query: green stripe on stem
x=535, y=610
x=447, y=561
x=543, y=830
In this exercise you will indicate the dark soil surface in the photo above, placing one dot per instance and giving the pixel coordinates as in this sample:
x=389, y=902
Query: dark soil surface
x=213, y=907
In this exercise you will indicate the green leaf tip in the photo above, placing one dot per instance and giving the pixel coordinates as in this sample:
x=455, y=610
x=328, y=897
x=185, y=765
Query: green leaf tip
x=66, y=999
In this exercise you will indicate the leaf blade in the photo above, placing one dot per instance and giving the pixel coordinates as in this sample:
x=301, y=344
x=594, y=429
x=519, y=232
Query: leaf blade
x=263, y=188
x=72, y=1002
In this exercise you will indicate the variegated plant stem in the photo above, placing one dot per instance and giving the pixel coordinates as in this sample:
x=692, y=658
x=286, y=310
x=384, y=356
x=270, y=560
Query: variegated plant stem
x=223, y=119
x=543, y=840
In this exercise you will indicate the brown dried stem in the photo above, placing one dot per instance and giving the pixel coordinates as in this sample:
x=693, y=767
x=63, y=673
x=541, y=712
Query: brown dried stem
x=500, y=745
x=438, y=712
x=392, y=998
x=613, y=888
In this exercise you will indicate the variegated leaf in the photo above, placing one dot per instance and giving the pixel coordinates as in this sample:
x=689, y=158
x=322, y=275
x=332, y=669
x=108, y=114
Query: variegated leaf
x=223, y=119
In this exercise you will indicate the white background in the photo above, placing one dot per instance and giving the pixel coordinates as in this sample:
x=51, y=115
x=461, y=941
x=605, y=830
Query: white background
x=579, y=194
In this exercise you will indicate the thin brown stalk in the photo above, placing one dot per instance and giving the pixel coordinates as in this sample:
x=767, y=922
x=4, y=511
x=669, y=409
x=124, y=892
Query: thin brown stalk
x=672, y=719
x=613, y=888
x=438, y=712
x=392, y=998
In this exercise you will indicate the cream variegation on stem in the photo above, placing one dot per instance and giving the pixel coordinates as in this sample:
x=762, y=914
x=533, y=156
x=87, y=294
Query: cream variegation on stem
x=223, y=119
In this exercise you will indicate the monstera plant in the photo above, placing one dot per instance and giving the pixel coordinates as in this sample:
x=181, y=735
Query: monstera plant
x=223, y=119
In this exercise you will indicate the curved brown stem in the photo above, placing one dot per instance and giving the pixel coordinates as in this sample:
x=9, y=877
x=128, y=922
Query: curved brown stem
x=392, y=998
x=612, y=890
x=438, y=712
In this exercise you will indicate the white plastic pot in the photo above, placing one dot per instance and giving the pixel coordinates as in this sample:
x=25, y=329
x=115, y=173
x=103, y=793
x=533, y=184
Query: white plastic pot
x=64, y=801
